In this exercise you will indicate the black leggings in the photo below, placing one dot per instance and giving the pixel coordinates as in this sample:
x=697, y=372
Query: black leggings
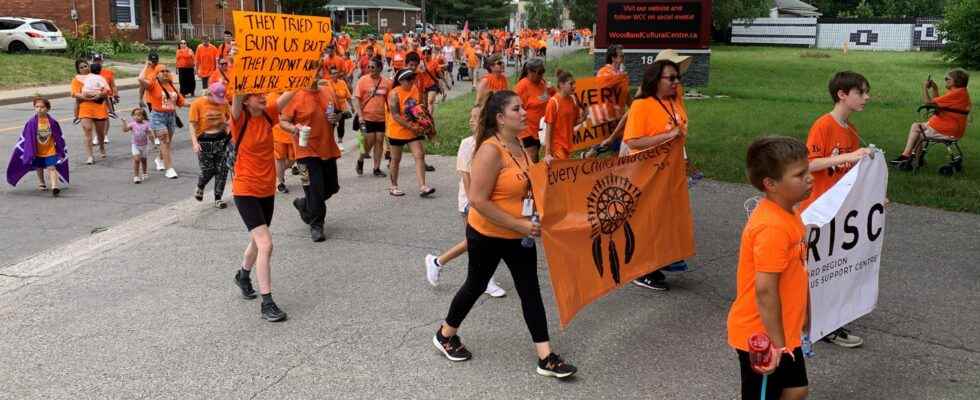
x=340, y=127
x=214, y=148
x=319, y=183
x=485, y=254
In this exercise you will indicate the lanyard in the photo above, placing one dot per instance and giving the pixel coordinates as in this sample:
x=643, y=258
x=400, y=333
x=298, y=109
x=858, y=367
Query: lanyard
x=672, y=113
x=523, y=171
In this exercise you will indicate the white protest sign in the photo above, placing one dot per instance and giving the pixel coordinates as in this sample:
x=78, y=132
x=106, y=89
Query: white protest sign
x=847, y=229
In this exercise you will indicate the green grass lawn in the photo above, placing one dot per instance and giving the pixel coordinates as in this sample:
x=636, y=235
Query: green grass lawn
x=19, y=71
x=782, y=91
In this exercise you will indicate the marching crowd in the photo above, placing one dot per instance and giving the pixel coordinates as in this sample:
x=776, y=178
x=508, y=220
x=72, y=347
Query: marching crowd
x=390, y=86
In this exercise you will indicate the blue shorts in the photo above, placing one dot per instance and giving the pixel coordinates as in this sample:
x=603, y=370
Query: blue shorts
x=163, y=121
x=44, y=162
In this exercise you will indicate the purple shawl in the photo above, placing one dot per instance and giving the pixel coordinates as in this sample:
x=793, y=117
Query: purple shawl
x=22, y=159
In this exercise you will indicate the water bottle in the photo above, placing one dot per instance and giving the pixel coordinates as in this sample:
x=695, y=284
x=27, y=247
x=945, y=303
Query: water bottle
x=807, y=346
x=528, y=241
x=360, y=143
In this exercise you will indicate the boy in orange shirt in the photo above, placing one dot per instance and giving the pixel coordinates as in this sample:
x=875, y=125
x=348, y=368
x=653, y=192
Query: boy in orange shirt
x=772, y=281
x=833, y=147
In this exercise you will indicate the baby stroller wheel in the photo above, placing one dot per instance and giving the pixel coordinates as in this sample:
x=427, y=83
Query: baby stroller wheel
x=946, y=170
x=958, y=165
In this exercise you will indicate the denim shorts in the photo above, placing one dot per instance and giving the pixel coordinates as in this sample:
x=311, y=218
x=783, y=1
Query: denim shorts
x=163, y=121
x=44, y=162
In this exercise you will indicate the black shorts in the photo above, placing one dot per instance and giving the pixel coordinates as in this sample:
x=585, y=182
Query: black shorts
x=433, y=88
x=402, y=142
x=790, y=373
x=373, y=127
x=531, y=142
x=255, y=211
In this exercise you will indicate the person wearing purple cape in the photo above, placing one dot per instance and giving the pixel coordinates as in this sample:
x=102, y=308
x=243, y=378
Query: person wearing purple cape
x=41, y=147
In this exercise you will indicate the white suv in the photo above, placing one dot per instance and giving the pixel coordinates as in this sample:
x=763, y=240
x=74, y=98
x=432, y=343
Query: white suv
x=23, y=34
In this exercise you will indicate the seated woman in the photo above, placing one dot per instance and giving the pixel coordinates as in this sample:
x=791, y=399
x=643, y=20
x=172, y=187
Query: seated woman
x=949, y=121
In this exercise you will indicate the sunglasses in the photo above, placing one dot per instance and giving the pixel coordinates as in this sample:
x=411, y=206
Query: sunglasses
x=671, y=78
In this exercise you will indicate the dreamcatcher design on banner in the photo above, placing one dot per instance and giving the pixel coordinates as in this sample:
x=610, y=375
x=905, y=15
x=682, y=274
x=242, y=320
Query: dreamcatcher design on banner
x=610, y=205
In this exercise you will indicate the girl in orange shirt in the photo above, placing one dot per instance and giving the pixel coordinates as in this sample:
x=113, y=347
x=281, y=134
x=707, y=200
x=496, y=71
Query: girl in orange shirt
x=185, y=69
x=534, y=92
x=254, y=187
x=404, y=129
x=562, y=116
x=343, y=94
x=500, y=186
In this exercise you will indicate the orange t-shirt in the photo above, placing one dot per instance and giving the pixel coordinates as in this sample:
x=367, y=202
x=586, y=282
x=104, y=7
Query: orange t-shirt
x=827, y=138
x=495, y=82
x=342, y=93
x=164, y=99
x=88, y=109
x=560, y=114
x=207, y=60
x=648, y=117
x=255, y=168
x=772, y=242
x=406, y=99
x=509, y=191
x=950, y=123
x=45, y=148
x=534, y=98
x=278, y=135
x=110, y=78
x=208, y=116
x=185, y=58
x=426, y=78
x=372, y=101
x=309, y=108
x=224, y=50
x=608, y=70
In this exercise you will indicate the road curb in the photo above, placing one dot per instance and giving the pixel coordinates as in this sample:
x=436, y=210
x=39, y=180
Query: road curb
x=54, y=95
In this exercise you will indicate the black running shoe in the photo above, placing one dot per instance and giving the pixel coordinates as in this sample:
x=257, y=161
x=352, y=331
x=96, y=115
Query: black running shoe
x=901, y=159
x=245, y=284
x=272, y=313
x=430, y=168
x=654, y=281
x=379, y=173
x=451, y=347
x=554, y=366
x=316, y=234
x=300, y=204
x=359, y=168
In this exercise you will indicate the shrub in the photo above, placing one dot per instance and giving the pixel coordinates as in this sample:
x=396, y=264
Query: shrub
x=359, y=31
x=105, y=48
x=193, y=43
x=962, y=33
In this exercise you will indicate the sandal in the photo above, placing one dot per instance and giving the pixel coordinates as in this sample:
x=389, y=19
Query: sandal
x=396, y=192
x=427, y=192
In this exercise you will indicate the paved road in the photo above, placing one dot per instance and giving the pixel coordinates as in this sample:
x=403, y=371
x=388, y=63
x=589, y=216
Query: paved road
x=147, y=309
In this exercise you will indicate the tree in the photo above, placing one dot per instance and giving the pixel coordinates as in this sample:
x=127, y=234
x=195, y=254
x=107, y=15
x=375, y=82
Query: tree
x=723, y=12
x=582, y=12
x=879, y=8
x=543, y=14
x=480, y=13
x=961, y=32
x=305, y=7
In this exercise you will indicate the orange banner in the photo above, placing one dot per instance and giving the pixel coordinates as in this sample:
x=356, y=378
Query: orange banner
x=277, y=52
x=605, y=99
x=607, y=221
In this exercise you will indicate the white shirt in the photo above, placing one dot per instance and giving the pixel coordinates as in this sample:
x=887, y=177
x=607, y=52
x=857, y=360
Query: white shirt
x=463, y=159
x=449, y=53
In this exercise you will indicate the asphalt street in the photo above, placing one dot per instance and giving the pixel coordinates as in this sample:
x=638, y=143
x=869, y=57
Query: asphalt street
x=146, y=308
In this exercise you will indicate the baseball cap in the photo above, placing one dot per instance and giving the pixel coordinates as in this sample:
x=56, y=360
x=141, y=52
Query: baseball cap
x=216, y=92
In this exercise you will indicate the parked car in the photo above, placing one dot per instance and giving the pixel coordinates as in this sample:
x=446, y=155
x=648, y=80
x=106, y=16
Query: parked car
x=23, y=34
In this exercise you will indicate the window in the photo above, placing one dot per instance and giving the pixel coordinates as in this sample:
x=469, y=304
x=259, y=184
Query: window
x=357, y=16
x=183, y=12
x=125, y=12
x=44, y=26
x=260, y=5
x=8, y=24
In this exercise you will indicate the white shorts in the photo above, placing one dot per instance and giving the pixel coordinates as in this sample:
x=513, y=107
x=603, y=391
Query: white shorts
x=139, y=151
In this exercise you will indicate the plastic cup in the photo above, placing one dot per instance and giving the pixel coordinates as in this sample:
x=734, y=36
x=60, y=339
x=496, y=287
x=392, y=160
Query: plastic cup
x=304, y=136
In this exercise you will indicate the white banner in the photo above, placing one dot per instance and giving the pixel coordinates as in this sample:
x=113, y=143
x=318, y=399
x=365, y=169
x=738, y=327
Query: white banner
x=847, y=229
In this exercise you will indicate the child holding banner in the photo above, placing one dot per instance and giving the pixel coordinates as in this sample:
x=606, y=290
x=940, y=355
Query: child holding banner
x=834, y=147
x=499, y=189
x=562, y=116
x=771, y=294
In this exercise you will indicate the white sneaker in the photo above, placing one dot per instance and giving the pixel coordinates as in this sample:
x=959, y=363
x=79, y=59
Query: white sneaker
x=145, y=175
x=89, y=161
x=137, y=180
x=106, y=140
x=156, y=141
x=95, y=140
x=494, y=290
x=160, y=166
x=432, y=269
x=171, y=173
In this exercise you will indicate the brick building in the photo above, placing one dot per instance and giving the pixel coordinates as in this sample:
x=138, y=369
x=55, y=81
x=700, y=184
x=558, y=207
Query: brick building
x=384, y=15
x=138, y=20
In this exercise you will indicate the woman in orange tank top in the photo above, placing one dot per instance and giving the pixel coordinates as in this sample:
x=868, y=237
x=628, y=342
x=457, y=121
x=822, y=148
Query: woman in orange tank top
x=404, y=129
x=500, y=188
x=494, y=81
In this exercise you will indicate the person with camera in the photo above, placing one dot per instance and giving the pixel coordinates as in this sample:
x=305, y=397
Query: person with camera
x=949, y=120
